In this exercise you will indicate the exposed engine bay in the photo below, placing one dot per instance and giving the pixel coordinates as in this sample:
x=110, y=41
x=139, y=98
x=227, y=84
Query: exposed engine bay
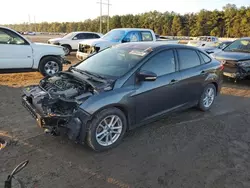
x=59, y=94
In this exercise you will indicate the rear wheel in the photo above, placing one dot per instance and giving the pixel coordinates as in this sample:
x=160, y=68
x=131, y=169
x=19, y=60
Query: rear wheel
x=207, y=97
x=107, y=129
x=50, y=65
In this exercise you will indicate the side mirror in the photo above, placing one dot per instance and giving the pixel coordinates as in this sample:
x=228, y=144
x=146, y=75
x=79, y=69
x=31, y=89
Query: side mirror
x=209, y=52
x=146, y=76
x=125, y=40
x=75, y=38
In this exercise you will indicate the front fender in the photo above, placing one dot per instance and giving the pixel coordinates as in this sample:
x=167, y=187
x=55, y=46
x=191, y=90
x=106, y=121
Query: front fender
x=118, y=97
x=40, y=51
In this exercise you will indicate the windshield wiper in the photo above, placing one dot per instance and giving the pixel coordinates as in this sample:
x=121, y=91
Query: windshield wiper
x=95, y=75
x=89, y=74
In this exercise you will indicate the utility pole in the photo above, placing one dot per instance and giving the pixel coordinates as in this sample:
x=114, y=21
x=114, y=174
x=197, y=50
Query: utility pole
x=108, y=18
x=101, y=3
x=35, y=22
x=29, y=22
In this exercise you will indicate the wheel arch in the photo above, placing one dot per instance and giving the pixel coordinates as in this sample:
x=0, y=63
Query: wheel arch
x=216, y=86
x=57, y=56
x=122, y=108
x=67, y=45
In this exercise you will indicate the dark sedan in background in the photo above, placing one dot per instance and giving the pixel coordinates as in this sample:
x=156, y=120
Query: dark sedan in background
x=236, y=59
x=217, y=47
x=122, y=87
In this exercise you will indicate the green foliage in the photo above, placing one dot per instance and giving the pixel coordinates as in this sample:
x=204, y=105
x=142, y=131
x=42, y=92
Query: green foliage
x=230, y=22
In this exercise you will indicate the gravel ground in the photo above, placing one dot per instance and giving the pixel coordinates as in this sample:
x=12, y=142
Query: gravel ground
x=188, y=149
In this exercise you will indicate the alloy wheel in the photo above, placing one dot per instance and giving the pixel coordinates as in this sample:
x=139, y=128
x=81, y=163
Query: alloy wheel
x=51, y=67
x=109, y=130
x=208, y=97
x=66, y=50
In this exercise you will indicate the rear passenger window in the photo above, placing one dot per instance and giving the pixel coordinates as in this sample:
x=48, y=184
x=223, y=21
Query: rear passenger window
x=205, y=57
x=146, y=36
x=188, y=58
x=161, y=64
x=93, y=36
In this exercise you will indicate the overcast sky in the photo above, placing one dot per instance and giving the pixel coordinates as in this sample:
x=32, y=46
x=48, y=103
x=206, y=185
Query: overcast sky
x=17, y=11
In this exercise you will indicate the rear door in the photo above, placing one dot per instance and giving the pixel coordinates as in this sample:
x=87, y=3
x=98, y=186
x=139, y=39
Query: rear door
x=154, y=98
x=15, y=51
x=80, y=37
x=193, y=75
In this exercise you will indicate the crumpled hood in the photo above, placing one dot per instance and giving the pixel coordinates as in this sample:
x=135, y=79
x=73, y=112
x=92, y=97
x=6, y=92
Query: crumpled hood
x=235, y=56
x=98, y=43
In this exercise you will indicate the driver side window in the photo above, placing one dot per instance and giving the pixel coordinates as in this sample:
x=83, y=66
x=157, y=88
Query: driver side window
x=161, y=64
x=7, y=37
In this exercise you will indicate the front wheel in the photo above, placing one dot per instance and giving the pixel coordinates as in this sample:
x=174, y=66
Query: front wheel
x=50, y=65
x=67, y=49
x=106, y=129
x=207, y=97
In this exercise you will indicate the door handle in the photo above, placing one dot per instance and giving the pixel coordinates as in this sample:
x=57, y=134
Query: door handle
x=173, y=81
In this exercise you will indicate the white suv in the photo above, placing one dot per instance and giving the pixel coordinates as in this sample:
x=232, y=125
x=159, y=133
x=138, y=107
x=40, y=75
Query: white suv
x=70, y=41
x=17, y=54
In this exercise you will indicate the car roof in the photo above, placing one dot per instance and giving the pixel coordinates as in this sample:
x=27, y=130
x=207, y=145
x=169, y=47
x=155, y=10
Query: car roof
x=133, y=29
x=3, y=27
x=245, y=38
x=77, y=32
x=154, y=45
x=207, y=36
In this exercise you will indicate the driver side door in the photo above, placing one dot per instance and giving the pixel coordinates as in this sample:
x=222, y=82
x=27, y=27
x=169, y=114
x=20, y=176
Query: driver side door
x=15, y=51
x=155, y=98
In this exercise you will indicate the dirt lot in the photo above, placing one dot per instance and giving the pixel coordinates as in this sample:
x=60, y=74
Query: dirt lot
x=189, y=149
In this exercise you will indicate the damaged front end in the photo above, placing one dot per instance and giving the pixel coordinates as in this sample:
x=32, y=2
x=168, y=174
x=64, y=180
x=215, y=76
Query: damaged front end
x=55, y=102
x=236, y=69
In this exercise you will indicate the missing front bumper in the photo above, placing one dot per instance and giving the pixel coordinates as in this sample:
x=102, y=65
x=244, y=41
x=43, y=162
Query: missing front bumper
x=74, y=126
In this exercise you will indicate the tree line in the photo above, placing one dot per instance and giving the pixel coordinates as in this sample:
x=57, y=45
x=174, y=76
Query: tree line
x=230, y=22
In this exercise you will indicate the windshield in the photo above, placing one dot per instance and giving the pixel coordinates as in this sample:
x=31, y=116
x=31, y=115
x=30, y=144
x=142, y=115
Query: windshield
x=113, y=62
x=241, y=45
x=69, y=36
x=114, y=36
x=202, y=38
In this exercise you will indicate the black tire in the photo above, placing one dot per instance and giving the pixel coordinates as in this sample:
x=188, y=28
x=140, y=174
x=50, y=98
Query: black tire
x=91, y=134
x=45, y=60
x=201, y=104
x=67, y=49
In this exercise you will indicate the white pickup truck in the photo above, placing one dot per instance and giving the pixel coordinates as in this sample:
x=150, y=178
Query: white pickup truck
x=203, y=41
x=115, y=36
x=17, y=54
